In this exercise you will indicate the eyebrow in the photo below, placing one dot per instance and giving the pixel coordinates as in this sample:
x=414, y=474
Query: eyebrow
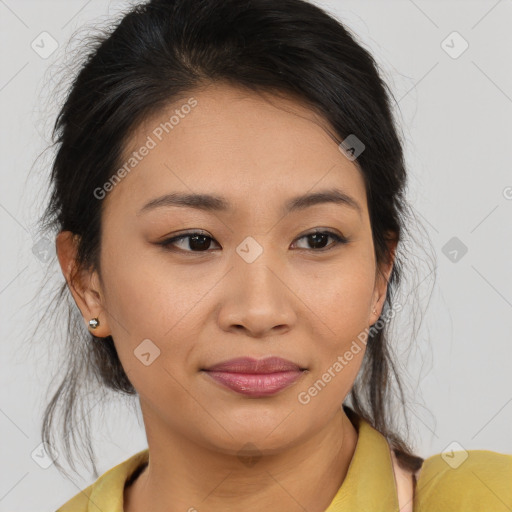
x=215, y=203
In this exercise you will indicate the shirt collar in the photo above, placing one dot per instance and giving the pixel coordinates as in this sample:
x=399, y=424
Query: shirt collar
x=369, y=484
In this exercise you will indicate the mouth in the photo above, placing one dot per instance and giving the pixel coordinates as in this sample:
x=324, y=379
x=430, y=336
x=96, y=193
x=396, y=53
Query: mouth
x=255, y=378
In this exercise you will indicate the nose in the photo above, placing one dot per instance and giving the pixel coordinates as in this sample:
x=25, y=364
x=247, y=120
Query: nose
x=256, y=298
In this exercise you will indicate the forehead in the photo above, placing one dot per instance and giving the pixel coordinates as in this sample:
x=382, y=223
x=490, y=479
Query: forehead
x=253, y=149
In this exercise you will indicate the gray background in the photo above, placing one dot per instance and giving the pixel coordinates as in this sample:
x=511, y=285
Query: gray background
x=456, y=113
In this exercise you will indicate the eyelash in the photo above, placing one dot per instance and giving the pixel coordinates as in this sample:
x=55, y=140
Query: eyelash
x=339, y=240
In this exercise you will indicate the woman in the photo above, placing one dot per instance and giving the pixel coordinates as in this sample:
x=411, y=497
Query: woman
x=229, y=198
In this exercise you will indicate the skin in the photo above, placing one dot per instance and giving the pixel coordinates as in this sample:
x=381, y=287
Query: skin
x=201, y=308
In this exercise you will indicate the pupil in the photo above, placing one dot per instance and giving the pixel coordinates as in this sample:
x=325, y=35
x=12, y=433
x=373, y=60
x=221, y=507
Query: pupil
x=205, y=242
x=315, y=237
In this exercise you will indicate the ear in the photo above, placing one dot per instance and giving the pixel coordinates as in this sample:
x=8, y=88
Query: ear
x=84, y=285
x=381, y=281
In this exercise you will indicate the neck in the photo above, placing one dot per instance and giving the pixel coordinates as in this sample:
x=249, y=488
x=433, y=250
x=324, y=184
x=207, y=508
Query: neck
x=182, y=476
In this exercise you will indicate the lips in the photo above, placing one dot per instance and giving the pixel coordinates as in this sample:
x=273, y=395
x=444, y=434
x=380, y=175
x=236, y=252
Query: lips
x=255, y=366
x=256, y=378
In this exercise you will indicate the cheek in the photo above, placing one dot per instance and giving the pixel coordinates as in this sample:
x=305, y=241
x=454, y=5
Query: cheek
x=147, y=294
x=340, y=315
x=340, y=300
x=350, y=302
x=341, y=295
x=150, y=298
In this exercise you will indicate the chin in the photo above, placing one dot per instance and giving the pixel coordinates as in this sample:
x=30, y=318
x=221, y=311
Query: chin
x=264, y=438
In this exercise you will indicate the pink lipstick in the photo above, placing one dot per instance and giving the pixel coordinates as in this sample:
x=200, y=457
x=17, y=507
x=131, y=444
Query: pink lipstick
x=256, y=378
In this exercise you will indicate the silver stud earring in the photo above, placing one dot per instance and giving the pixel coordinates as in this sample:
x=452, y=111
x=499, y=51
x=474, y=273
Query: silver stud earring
x=93, y=323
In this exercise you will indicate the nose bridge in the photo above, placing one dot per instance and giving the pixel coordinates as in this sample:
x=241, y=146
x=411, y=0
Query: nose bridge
x=257, y=298
x=257, y=267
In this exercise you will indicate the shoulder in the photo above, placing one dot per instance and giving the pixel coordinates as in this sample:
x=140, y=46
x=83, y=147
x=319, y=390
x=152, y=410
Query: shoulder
x=470, y=480
x=107, y=492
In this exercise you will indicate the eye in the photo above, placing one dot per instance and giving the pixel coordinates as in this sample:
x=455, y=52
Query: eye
x=318, y=240
x=199, y=242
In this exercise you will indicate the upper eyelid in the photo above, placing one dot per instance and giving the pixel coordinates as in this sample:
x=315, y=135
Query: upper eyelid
x=201, y=233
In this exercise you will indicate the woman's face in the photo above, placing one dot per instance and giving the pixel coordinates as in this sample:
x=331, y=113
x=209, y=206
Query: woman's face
x=253, y=285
